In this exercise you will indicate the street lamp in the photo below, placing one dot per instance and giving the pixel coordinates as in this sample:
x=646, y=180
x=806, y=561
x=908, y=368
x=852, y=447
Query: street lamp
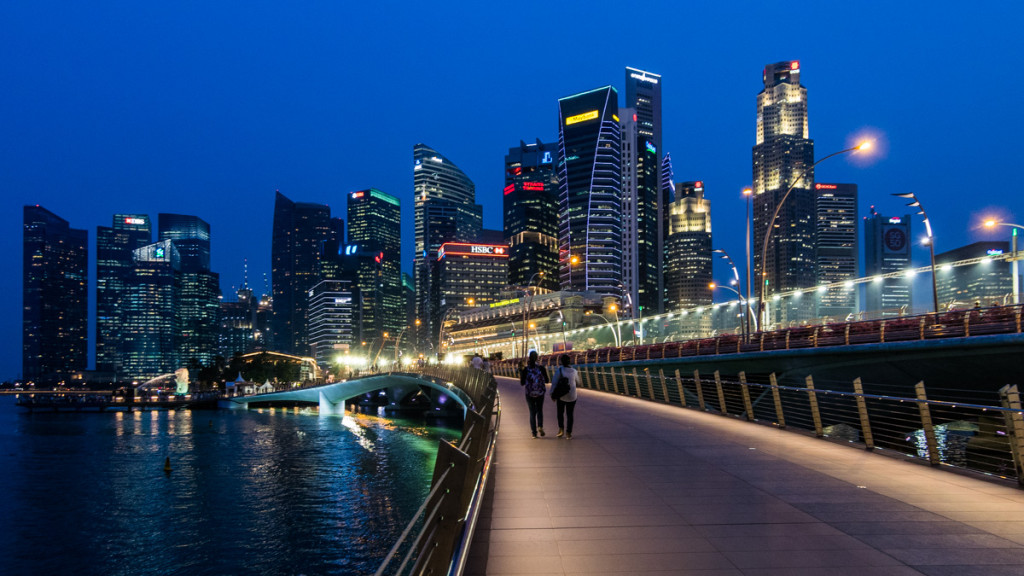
x=1013, y=257
x=771, y=225
x=744, y=304
x=440, y=330
x=526, y=310
x=915, y=203
x=736, y=280
x=748, y=192
x=607, y=321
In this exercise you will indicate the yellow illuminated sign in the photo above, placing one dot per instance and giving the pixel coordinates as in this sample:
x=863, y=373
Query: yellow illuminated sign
x=581, y=117
x=504, y=303
x=614, y=117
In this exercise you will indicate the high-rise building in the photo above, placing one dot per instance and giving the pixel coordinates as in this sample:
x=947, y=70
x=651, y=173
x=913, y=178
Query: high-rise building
x=470, y=275
x=887, y=250
x=198, y=300
x=783, y=151
x=150, y=336
x=982, y=283
x=688, y=271
x=300, y=229
x=244, y=324
x=667, y=196
x=114, y=262
x=837, y=248
x=530, y=203
x=643, y=99
x=55, y=280
x=590, y=192
x=374, y=225
x=333, y=316
x=445, y=211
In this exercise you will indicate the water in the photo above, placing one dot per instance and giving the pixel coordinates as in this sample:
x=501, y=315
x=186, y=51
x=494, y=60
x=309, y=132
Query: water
x=259, y=492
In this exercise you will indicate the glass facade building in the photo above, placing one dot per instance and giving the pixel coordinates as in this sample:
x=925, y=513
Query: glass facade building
x=981, y=283
x=114, y=262
x=55, y=284
x=688, y=270
x=642, y=172
x=837, y=248
x=887, y=243
x=198, y=300
x=590, y=192
x=530, y=204
x=783, y=150
x=374, y=225
x=333, y=315
x=151, y=331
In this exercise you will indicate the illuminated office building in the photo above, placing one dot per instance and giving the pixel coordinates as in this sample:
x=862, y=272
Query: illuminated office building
x=198, y=300
x=688, y=266
x=55, y=282
x=114, y=262
x=590, y=192
x=244, y=324
x=642, y=191
x=782, y=152
x=837, y=248
x=333, y=318
x=151, y=332
x=530, y=203
x=374, y=225
x=470, y=275
x=299, y=231
x=983, y=282
x=886, y=250
x=445, y=211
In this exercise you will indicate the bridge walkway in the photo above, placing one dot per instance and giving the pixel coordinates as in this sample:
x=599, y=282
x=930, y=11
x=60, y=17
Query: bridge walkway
x=648, y=488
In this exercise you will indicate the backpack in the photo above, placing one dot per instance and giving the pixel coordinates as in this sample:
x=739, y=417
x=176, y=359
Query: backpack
x=535, y=382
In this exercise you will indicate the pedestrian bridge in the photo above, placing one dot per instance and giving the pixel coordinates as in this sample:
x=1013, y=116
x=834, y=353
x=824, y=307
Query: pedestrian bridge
x=331, y=398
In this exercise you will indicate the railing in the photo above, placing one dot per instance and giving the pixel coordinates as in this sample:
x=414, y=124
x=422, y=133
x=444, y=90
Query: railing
x=437, y=539
x=960, y=323
x=980, y=438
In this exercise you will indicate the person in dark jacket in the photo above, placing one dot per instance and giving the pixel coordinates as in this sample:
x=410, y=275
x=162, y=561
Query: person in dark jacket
x=534, y=378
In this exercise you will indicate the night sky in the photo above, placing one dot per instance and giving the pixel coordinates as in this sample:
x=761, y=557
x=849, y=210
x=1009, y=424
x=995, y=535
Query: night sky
x=208, y=108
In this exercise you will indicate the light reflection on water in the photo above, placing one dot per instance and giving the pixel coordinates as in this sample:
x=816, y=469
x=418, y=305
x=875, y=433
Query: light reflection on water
x=271, y=492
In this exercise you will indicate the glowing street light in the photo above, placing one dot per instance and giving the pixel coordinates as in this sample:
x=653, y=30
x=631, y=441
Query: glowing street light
x=992, y=223
x=915, y=203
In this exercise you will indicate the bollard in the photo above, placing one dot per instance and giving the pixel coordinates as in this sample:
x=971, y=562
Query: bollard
x=700, y=390
x=746, y=396
x=862, y=409
x=721, y=393
x=778, y=401
x=926, y=424
x=815, y=413
x=1014, y=427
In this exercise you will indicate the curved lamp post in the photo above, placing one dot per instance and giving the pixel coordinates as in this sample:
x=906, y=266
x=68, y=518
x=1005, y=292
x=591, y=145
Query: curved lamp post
x=915, y=203
x=744, y=304
x=762, y=321
x=748, y=192
x=1013, y=257
x=736, y=276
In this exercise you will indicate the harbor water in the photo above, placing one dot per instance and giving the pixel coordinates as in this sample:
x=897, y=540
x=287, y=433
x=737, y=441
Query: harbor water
x=279, y=491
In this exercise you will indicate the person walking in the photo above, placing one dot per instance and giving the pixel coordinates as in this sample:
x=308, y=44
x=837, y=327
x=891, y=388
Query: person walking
x=566, y=402
x=534, y=379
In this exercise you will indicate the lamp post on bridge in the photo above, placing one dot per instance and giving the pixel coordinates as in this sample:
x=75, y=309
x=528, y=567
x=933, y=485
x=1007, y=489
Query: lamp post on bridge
x=1014, y=257
x=736, y=282
x=527, y=302
x=915, y=203
x=762, y=320
x=748, y=192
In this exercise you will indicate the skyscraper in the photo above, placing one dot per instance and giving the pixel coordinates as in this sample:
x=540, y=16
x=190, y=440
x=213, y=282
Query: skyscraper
x=445, y=211
x=55, y=280
x=986, y=282
x=300, y=229
x=151, y=333
x=530, y=203
x=837, y=248
x=198, y=300
x=886, y=250
x=782, y=152
x=114, y=247
x=590, y=192
x=688, y=270
x=470, y=275
x=667, y=196
x=643, y=98
x=374, y=224
x=333, y=314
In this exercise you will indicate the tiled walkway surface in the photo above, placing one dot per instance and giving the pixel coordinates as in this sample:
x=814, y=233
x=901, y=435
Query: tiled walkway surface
x=645, y=488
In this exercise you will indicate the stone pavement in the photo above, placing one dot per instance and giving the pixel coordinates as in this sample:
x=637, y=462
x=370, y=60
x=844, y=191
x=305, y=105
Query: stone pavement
x=647, y=488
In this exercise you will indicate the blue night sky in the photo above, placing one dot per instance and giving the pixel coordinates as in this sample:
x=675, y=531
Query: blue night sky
x=208, y=108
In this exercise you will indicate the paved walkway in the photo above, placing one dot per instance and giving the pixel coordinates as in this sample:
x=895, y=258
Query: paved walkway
x=646, y=488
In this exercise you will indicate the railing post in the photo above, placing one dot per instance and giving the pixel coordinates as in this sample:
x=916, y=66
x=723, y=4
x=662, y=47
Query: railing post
x=1016, y=318
x=812, y=397
x=967, y=324
x=650, y=388
x=778, y=401
x=615, y=383
x=815, y=337
x=881, y=331
x=787, y=339
x=700, y=391
x=682, y=393
x=664, y=385
x=926, y=424
x=746, y=397
x=847, y=335
x=1014, y=427
x=721, y=393
x=862, y=410
x=636, y=382
x=921, y=327
x=586, y=379
x=454, y=461
x=762, y=341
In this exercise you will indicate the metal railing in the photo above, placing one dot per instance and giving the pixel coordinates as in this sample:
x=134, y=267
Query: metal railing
x=982, y=438
x=437, y=539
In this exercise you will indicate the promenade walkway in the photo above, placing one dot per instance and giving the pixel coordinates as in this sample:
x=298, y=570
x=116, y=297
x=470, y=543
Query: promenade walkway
x=647, y=488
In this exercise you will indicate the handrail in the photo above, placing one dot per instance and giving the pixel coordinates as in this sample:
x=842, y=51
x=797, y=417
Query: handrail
x=449, y=513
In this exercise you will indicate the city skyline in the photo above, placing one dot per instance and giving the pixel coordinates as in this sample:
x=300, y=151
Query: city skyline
x=95, y=129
